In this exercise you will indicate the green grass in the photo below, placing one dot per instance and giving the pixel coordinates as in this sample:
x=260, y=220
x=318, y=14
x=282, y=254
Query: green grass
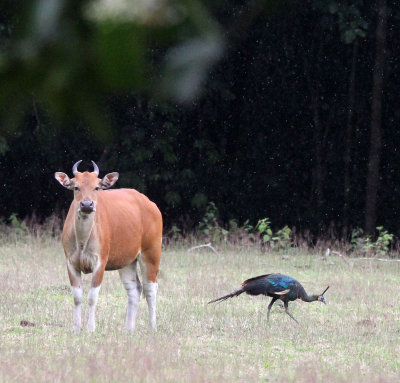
x=355, y=337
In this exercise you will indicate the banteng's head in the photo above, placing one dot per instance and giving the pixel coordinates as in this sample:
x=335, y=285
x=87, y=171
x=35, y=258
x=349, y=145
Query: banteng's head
x=86, y=186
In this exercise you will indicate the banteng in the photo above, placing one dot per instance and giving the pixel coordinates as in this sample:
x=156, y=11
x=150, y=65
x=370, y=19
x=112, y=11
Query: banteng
x=110, y=230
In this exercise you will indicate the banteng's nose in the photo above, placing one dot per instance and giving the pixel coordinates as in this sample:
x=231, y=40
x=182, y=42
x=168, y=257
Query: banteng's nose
x=87, y=206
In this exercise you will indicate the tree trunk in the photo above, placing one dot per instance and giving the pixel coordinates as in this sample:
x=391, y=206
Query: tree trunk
x=314, y=84
x=348, y=137
x=376, y=119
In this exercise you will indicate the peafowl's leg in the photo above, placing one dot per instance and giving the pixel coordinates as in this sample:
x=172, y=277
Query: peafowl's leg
x=288, y=313
x=269, y=307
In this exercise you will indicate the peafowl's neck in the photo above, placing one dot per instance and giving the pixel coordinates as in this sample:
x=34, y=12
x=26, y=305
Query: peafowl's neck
x=305, y=297
x=310, y=298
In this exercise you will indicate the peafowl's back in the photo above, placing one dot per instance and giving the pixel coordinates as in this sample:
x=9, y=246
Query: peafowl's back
x=271, y=284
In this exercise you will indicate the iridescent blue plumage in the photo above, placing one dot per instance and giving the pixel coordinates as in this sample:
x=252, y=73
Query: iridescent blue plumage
x=277, y=286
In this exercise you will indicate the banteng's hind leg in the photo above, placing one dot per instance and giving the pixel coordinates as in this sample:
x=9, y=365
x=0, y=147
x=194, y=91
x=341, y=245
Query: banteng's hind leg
x=149, y=263
x=130, y=279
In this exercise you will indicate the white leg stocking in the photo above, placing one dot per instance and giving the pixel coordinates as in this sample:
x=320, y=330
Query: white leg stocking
x=150, y=292
x=133, y=289
x=92, y=302
x=77, y=292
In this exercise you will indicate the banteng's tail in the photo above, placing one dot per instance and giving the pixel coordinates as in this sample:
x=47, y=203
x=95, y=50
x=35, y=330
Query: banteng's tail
x=234, y=294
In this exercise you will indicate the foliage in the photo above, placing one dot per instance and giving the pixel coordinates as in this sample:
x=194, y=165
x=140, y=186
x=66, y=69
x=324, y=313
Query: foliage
x=246, y=227
x=174, y=233
x=279, y=239
x=359, y=241
x=252, y=144
x=3, y=146
x=18, y=226
x=69, y=56
x=209, y=226
x=383, y=241
x=363, y=243
x=352, y=24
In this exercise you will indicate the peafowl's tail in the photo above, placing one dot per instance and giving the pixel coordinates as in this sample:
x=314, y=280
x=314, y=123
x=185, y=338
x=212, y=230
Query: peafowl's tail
x=234, y=294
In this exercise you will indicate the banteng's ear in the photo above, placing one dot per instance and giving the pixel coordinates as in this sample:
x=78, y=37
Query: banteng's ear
x=64, y=180
x=109, y=180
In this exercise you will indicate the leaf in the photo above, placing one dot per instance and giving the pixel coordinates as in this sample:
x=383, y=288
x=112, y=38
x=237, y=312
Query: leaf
x=188, y=64
x=199, y=200
x=261, y=227
x=120, y=55
x=3, y=146
x=333, y=7
x=172, y=198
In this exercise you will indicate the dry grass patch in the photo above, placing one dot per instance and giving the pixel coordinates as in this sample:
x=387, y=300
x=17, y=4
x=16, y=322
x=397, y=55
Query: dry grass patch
x=353, y=338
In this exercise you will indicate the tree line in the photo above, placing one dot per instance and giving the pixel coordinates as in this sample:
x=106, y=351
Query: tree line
x=296, y=118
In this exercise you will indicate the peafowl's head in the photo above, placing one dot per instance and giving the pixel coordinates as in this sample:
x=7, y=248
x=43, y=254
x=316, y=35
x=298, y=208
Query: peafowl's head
x=321, y=297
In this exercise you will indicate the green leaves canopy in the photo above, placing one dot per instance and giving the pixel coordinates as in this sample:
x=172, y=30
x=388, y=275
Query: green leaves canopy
x=69, y=56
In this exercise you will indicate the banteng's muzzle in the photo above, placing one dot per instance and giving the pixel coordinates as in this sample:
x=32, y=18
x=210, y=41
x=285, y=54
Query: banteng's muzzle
x=87, y=207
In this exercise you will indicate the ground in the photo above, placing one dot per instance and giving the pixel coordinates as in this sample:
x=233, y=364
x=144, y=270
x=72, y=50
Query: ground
x=355, y=337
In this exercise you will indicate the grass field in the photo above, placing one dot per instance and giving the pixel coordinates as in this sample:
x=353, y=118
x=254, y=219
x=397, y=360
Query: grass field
x=355, y=337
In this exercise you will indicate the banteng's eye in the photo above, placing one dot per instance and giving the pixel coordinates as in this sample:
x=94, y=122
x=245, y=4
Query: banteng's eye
x=76, y=188
x=96, y=188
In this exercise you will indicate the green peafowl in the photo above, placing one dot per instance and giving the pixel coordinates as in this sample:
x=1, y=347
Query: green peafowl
x=277, y=286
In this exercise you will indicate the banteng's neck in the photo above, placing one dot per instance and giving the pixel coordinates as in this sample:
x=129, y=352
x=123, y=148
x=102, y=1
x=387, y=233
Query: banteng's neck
x=83, y=227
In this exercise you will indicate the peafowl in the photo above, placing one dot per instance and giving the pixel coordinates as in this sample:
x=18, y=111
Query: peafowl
x=277, y=286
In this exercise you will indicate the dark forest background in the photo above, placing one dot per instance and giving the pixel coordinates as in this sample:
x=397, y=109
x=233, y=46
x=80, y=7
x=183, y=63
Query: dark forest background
x=279, y=109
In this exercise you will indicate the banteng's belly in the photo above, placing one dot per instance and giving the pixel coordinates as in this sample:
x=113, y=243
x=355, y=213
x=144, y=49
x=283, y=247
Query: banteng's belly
x=118, y=261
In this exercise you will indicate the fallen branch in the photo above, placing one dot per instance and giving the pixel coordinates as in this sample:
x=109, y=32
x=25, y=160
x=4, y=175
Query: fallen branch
x=328, y=252
x=205, y=245
x=346, y=259
x=378, y=259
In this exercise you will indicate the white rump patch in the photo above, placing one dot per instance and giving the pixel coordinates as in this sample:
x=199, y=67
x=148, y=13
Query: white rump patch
x=282, y=292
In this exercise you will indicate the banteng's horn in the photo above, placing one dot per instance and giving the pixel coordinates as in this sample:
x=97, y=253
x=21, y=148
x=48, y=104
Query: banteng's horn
x=75, y=167
x=95, y=168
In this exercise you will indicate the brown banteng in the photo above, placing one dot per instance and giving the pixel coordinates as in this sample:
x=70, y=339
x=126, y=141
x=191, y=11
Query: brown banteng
x=110, y=230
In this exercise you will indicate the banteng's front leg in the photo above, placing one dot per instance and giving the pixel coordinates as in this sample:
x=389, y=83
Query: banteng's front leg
x=131, y=282
x=77, y=291
x=93, y=295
